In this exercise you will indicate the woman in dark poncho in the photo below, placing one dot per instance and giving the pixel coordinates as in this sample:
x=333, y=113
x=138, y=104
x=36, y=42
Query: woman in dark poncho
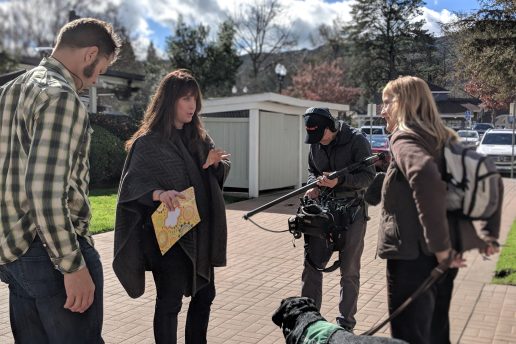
x=169, y=153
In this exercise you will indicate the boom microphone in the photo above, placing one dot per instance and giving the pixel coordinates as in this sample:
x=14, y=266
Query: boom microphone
x=360, y=164
x=373, y=194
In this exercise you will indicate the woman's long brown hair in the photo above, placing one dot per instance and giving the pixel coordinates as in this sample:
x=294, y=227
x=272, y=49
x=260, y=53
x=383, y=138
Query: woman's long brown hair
x=161, y=111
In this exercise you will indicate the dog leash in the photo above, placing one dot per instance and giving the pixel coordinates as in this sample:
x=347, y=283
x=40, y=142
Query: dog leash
x=435, y=274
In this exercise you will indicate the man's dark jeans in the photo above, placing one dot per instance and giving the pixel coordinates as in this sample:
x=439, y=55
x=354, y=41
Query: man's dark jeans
x=349, y=256
x=37, y=296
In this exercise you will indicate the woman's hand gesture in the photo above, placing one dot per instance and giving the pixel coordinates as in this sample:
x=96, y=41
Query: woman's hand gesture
x=170, y=198
x=214, y=157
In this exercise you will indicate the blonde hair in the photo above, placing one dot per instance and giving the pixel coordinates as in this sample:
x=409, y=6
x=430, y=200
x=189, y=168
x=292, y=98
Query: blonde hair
x=415, y=109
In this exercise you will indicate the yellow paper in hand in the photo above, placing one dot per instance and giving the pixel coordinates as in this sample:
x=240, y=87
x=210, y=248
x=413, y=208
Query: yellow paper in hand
x=170, y=226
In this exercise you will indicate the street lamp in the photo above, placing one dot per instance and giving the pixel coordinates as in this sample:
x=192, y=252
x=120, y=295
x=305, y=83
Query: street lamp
x=281, y=71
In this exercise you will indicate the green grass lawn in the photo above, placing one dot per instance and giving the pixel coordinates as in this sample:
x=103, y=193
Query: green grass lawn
x=506, y=266
x=103, y=205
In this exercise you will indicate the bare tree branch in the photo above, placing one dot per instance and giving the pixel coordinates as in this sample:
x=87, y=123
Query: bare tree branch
x=258, y=31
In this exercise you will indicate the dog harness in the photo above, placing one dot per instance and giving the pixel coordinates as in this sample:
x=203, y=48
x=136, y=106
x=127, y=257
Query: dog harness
x=319, y=332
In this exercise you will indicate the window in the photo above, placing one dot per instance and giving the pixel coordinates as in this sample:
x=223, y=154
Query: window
x=498, y=139
x=469, y=134
x=373, y=131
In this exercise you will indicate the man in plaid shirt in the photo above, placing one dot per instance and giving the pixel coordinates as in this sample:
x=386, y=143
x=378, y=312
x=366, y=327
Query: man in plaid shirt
x=46, y=249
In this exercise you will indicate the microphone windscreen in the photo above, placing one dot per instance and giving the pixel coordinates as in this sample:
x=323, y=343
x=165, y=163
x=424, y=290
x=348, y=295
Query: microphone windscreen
x=373, y=194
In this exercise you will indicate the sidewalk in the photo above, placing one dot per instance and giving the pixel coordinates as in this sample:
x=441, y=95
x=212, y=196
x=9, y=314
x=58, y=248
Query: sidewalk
x=264, y=267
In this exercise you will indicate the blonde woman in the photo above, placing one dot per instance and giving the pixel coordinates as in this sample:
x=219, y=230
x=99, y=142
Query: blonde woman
x=414, y=233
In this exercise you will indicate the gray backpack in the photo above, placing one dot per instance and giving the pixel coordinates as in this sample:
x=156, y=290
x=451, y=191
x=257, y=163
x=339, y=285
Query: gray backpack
x=473, y=182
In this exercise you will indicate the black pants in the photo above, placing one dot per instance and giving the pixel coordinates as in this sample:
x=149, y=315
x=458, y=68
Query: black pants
x=425, y=320
x=173, y=278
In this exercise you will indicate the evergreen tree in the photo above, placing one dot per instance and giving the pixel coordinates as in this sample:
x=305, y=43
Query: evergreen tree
x=7, y=62
x=223, y=62
x=213, y=63
x=126, y=61
x=486, y=45
x=386, y=41
x=155, y=69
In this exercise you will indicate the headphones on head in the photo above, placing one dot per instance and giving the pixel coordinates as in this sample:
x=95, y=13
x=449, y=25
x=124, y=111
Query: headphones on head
x=324, y=112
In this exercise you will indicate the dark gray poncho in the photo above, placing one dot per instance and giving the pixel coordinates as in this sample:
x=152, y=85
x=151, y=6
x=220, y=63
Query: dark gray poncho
x=156, y=163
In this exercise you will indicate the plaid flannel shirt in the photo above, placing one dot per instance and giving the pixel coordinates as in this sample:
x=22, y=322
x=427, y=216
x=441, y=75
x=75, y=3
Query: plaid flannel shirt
x=44, y=160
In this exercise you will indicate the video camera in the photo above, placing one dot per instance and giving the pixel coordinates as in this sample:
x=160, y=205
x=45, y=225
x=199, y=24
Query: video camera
x=325, y=218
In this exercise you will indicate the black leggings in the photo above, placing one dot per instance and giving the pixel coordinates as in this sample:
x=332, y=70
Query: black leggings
x=426, y=320
x=173, y=278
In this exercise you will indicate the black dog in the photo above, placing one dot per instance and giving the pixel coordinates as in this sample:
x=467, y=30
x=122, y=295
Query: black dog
x=296, y=315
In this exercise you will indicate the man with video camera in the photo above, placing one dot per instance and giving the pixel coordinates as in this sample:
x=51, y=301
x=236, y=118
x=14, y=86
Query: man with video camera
x=333, y=146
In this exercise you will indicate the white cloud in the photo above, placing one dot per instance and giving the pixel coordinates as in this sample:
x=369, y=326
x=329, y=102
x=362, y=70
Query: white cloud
x=434, y=19
x=303, y=17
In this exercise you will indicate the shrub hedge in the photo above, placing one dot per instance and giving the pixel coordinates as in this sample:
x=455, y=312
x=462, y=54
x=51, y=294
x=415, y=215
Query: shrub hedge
x=107, y=157
x=121, y=126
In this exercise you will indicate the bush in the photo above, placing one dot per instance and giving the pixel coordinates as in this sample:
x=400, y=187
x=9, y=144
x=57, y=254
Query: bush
x=122, y=126
x=107, y=157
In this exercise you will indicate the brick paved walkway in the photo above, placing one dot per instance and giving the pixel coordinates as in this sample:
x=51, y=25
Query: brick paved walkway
x=264, y=267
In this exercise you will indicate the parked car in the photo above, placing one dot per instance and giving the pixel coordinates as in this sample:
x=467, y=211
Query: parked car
x=481, y=128
x=380, y=144
x=373, y=130
x=497, y=144
x=469, y=138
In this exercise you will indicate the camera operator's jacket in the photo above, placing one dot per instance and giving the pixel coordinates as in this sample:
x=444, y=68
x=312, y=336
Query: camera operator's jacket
x=348, y=147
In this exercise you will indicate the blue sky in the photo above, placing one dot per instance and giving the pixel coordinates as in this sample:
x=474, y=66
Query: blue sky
x=450, y=5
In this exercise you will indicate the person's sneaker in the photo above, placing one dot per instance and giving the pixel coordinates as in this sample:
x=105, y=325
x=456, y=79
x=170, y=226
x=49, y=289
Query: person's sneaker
x=346, y=328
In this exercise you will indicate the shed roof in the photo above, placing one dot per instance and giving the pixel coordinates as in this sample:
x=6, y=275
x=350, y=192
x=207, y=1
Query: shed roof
x=266, y=101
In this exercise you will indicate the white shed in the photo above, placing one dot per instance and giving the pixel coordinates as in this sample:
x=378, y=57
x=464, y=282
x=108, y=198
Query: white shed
x=265, y=135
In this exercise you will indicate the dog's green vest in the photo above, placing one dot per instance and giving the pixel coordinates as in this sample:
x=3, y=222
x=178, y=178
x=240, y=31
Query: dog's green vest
x=319, y=332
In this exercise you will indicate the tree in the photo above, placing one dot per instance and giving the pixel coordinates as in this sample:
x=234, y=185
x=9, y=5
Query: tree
x=386, y=41
x=7, y=62
x=35, y=23
x=490, y=97
x=126, y=61
x=213, y=63
x=152, y=54
x=259, y=34
x=187, y=48
x=486, y=45
x=155, y=68
x=333, y=37
x=224, y=62
x=324, y=82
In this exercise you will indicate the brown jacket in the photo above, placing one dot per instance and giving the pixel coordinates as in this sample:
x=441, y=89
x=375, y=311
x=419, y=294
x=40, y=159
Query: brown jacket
x=413, y=214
